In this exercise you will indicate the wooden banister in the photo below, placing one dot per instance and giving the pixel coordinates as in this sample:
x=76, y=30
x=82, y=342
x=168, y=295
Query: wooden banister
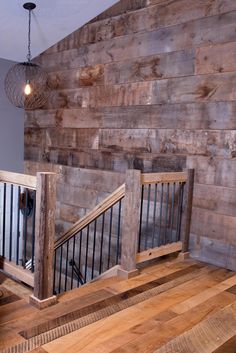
x=88, y=218
x=153, y=178
x=24, y=180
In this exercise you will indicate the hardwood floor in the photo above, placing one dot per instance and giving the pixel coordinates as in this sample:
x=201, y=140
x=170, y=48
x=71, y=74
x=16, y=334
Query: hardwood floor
x=171, y=307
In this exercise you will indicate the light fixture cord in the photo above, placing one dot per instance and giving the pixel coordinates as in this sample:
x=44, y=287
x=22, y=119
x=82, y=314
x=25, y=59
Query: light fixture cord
x=29, y=40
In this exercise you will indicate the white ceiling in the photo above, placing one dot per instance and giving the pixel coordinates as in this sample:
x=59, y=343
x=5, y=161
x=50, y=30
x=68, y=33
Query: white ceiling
x=52, y=20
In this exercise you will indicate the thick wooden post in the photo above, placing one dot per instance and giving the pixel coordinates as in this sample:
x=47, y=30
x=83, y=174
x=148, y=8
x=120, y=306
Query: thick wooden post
x=44, y=240
x=131, y=220
x=187, y=210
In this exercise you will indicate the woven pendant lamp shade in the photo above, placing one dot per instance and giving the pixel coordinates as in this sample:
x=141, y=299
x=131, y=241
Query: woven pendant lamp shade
x=15, y=83
x=26, y=82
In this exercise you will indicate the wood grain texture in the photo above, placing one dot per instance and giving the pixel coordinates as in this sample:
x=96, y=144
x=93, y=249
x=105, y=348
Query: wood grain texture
x=169, y=300
x=130, y=221
x=148, y=85
x=44, y=235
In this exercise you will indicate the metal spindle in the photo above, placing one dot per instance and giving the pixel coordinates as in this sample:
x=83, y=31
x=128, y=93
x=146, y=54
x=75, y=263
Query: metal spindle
x=4, y=220
x=172, y=211
x=181, y=209
x=86, y=256
x=166, y=213
x=72, y=263
x=11, y=216
x=109, y=242
x=160, y=221
x=60, y=270
x=66, y=270
x=80, y=248
x=94, y=246
x=147, y=218
x=101, y=247
x=54, y=272
x=141, y=220
x=154, y=215
x=18, y=226
x=118, y=234
x=25, y=226
x=33, y=230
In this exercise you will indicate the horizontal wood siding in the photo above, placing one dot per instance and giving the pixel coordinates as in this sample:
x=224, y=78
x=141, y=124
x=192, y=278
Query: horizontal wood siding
x=148, y=84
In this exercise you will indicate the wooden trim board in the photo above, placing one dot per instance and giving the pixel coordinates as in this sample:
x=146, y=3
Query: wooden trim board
x=159, y=251
x=19, y=272
x=154, y=178
x=24, y=180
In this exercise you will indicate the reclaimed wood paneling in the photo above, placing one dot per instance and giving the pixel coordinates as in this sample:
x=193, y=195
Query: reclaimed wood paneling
x=148, y=84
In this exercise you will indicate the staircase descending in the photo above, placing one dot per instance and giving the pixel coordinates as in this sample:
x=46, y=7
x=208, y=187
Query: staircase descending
x=147, y=217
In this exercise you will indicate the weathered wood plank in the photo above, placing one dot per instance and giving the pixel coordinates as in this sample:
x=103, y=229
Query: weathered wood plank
x=160, y=14
x=197, y=142
x=202, y=88
x=202, y=115
x=213, y=59
x=159, y=251
x=214, y=225
x=109, y=160
x=218, y=199
x=213, y=170
x=163, y=40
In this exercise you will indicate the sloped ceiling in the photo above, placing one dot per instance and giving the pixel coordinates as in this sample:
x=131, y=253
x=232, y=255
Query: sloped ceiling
x=52, y=20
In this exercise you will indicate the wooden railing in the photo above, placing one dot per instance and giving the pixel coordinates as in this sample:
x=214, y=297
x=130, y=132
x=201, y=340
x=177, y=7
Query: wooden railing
x=154, y=220
x=27, y=228
x=91, y=246
x=147, y=217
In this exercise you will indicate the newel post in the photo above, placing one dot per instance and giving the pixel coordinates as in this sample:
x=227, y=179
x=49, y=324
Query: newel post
x=44, y=240
x=130, y=224
x=187, y=209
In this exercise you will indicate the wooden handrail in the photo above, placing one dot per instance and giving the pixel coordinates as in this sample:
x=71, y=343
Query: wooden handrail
x=88, y=218
x=154, y=178
x=24, y=180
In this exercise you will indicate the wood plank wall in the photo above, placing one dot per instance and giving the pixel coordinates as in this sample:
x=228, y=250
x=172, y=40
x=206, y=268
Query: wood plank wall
x=150, y=84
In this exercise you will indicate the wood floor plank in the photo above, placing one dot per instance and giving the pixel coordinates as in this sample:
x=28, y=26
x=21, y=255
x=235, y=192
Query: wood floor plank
x=207, y=336
x=170, y=280
x=173, y=327
x=104, y=329
x=227, y=347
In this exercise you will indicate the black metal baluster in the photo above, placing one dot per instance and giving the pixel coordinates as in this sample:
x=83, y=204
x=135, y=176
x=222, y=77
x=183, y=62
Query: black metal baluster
x=172, y=211
x=154, y=215
x=33, y=229
x=4, y=220
x=147, y=218
x=66, y=270
x=25, y=226
x=101, y=248
x=141, y=220
x=166, y=213
x=160, y=221
x=18, y=226
x=80, y=247
x=181, y=209
x=54, y=273
x=94, y=246
x=109, y=242
x=60, y=270
x=118, y=234
x=86, y=256
x=11, y=216
x=72, y=263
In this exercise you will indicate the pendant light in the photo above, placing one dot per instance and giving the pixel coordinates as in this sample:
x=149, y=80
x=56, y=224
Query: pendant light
x=26, y=82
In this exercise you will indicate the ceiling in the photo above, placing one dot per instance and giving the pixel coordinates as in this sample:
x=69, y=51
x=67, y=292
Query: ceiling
x=52, y=20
